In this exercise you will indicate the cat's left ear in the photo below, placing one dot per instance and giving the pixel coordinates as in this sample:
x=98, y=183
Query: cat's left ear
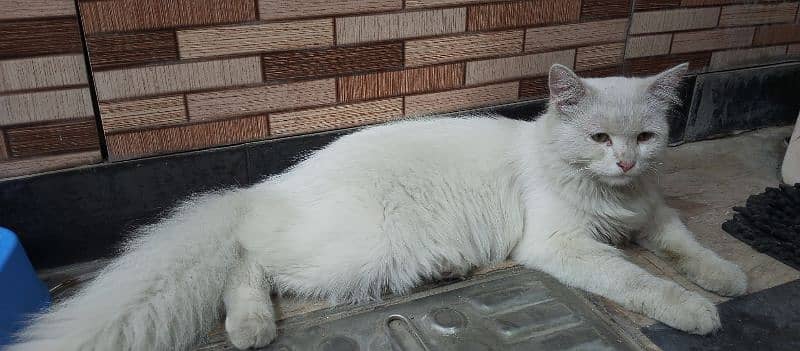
x=664, y=86
x=565, y=86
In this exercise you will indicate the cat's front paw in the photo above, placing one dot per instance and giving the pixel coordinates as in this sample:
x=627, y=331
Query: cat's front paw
x=691, y=313
x=717, y=275
x=250, y=329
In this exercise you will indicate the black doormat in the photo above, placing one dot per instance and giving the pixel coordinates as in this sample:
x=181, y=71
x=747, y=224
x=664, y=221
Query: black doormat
x=768, y=320
x=770, y=223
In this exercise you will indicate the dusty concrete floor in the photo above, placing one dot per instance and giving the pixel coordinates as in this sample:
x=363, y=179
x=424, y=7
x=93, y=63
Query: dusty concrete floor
x=704, y=181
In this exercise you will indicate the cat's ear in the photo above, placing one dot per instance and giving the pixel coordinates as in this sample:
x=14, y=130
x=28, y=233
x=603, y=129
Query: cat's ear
x=665, y=85
x=565, y=86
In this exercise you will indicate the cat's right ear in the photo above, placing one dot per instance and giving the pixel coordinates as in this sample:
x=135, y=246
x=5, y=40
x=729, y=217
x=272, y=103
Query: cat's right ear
x=566, y=88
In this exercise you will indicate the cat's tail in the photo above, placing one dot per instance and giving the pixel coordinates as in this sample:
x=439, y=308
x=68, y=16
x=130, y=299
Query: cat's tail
x=163, y=293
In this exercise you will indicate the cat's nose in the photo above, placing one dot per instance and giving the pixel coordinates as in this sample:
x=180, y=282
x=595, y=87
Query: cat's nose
x=626, y=165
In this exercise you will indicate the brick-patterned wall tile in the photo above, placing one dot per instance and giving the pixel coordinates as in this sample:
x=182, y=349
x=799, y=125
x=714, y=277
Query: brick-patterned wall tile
x=20, y=167
x=187, y=137
x=711, y=39
x=180, y=77
x=333, y=61
x=226, y=103
x=793, y=50
x=578, y=34
x=456, y=48
x=516, y=67
x=648, y=45
x=118, y=49
x=674, y=20
x=45, y=106
x=750, y=56
x=590, y=57
x=777, y=34
x=255, y=38
x=359, y=29
x=41, y=72
x=56, y=137
x=461, y=99
x=743, y=15
x=122, y=15
x=145, y=113
x=522, y=13
x=280, y=9
x=39, y=37
x=434, y=3
x=3, y=149
x=17, y=9
x=335, y=117
x=645, y=5
x=607, y=71
x=409, y=81
x=655, y=64
x=534, y=88
x=592, y=10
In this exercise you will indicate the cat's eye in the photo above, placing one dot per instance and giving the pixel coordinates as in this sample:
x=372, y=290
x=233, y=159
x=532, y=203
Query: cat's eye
x=642, y=137
x=600, y=137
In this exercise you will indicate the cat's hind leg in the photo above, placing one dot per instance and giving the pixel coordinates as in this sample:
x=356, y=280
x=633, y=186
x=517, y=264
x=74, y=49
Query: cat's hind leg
x=669, y=238
x=250, y=318
x=579, y=261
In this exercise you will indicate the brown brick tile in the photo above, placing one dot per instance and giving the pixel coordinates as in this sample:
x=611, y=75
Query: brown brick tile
x=608, y=71
x=591, y=57
x=743, y=15
x=655, y=64
x=359, y=29
x=41, y=106
x=461, y=99
x=122, y=15
x=280, y=9
x=646, y=5
x=262, y=37
x=576, y=34
x=534, y=88
x=674, y=20
x=145, y=113
x=119, y=49
x=187, y=137
x=409, y=81
x=16, y=9
x=261, y=99
x=434, y=3
x=711, y=39
x=745, y=57
x=50, y=138
x=777, y=34
x=456, y=48
x=179, y=77
x=593, y=10
x=332, y=61
x=335, y=117
x=42, y=72
x=26, y=166
x=507, y=68
x=648, y=45
x=39, y=37
x=522, y=14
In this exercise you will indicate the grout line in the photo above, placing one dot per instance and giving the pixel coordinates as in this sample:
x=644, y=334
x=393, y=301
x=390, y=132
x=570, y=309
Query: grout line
x=101, y=136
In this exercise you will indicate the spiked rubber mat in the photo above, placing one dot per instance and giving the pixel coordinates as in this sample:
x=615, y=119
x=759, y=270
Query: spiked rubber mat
x=770, y=223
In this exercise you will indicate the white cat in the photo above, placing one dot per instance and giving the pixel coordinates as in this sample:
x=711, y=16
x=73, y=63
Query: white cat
x=391, y=206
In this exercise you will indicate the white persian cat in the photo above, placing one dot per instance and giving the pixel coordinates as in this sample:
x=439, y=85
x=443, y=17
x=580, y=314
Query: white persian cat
x=391, y=206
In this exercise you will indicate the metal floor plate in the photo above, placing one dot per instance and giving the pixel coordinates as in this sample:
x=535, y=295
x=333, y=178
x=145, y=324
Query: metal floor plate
x=514, y=309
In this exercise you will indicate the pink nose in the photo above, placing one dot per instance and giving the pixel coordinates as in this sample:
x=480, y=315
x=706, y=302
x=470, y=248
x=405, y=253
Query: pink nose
x=626, y=165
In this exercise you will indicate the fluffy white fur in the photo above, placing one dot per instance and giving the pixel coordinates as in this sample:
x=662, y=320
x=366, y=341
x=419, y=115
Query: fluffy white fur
x=392, y=206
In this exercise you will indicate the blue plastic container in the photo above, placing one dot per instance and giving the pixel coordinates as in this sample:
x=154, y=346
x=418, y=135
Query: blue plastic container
x=21, y=291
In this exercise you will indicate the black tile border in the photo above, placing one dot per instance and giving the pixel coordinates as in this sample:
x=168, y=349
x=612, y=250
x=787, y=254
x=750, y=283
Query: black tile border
x=81, y=214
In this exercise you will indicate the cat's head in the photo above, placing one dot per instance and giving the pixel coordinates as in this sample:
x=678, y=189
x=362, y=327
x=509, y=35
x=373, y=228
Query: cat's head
x=612, y=129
